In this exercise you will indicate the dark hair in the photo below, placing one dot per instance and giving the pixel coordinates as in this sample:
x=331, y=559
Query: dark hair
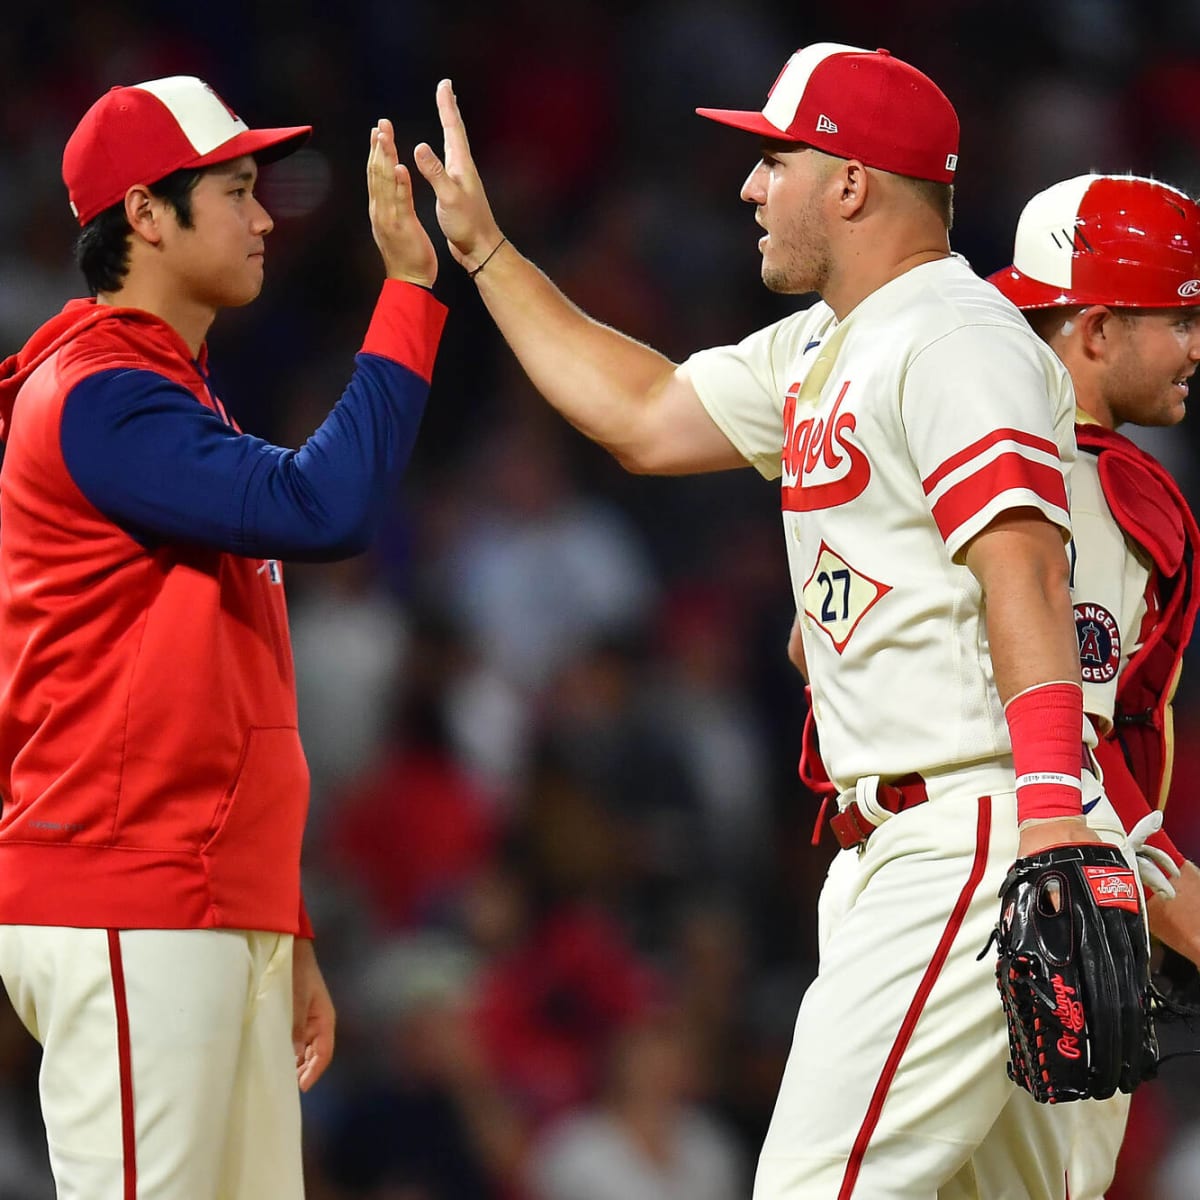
x=939, y=197
x=102, y=248
x=1046, y=322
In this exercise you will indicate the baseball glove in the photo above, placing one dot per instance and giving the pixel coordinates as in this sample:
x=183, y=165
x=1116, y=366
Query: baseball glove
x=1073, y=973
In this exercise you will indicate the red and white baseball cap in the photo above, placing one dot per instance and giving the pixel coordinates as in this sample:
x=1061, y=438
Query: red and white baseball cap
x=141, y=133
x=1118, y=240
x=857, y=103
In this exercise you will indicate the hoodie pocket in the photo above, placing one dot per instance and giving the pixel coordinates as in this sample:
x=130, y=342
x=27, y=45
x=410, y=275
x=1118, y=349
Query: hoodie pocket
x=259, y=826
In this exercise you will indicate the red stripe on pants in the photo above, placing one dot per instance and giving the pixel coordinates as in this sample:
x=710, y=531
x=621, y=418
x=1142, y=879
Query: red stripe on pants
x=983, y=830
x=124, y=1065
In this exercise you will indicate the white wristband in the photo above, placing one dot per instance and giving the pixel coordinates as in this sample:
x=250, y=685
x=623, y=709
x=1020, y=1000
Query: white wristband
x=1036, y=777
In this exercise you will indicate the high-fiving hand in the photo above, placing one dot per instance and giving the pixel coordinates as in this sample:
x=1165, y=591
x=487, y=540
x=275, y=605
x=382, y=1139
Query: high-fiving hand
x=407, y=252
x=463, y=211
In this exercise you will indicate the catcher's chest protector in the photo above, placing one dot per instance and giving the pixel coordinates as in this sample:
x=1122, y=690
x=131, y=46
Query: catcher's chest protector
x=1151, y=510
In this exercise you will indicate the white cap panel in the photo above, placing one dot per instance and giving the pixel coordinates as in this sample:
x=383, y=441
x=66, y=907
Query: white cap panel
x=789, y=89
x=1045, y=237
x=200, y=112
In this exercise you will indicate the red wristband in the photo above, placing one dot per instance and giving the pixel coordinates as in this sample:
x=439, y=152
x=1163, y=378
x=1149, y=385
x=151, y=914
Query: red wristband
x=1045, y=725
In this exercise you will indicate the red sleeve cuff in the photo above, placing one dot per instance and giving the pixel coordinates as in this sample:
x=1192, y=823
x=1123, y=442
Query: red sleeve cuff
x=306, y=929
x=406, y=327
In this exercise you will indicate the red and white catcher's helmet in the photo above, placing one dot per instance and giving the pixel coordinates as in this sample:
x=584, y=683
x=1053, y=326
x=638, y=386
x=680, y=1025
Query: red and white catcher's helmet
x=1118, y=240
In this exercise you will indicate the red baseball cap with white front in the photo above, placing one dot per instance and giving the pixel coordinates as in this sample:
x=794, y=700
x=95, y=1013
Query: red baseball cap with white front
x=1119, y=240
x=141, y=133
x=856, y=103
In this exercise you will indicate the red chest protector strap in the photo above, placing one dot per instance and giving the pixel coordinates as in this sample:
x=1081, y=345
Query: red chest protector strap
x=1150, y=510
x=812, y=768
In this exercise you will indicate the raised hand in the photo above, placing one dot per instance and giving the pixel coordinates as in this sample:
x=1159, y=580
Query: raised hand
x=404, y=245
x=463, y=211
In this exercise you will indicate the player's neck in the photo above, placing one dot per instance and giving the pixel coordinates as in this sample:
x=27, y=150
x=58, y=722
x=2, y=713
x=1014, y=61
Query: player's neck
x=1090, y=400
x=1101, y=414
x=857, y=279
x=190, y=318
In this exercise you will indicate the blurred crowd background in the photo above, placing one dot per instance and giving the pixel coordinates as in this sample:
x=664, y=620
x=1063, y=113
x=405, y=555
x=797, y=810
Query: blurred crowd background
x=558, y=858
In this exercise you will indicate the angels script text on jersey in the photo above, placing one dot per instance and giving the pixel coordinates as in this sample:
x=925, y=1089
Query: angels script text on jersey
x=819, y=446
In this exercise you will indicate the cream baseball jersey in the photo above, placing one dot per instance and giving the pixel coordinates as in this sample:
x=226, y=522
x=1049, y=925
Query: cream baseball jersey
x=899, y=434
x=1110, y=589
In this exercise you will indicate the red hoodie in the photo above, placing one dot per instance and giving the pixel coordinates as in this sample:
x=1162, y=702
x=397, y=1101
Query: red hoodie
x=150, y=766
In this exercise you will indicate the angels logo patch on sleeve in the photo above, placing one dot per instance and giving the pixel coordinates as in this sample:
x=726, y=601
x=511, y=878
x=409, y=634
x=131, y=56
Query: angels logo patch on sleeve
x=1099, y=639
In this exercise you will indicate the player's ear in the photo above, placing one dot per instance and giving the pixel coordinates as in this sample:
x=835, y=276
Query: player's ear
x=143, y=213
x=853, y=183
x=1095, y=326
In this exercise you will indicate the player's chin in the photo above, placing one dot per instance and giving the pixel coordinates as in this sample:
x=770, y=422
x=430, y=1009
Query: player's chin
x=1176, y=407
x=247, y=290
x=779, y=281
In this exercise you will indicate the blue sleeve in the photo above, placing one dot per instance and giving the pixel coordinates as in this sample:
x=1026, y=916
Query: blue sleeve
x=165, y=468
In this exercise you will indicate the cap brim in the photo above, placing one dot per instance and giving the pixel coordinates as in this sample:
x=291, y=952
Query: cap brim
x=266, y=145
x=750, y=122
x=1028, y=293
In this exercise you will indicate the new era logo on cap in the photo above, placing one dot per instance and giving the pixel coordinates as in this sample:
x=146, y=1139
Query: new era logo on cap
x=861, y=104
x=142, y=133
x=1118, y=240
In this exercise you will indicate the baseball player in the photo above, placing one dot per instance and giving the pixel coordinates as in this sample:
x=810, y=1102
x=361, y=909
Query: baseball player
x=1106, y=269
x=152, y=932
x=921, y=434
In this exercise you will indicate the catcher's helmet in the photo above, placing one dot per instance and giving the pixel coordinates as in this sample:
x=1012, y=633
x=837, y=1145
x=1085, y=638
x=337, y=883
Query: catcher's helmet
x=1106, y=239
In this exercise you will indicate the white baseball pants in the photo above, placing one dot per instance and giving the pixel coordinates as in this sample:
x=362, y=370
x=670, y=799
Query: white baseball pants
x=895, y=1087
x=168, y=1071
